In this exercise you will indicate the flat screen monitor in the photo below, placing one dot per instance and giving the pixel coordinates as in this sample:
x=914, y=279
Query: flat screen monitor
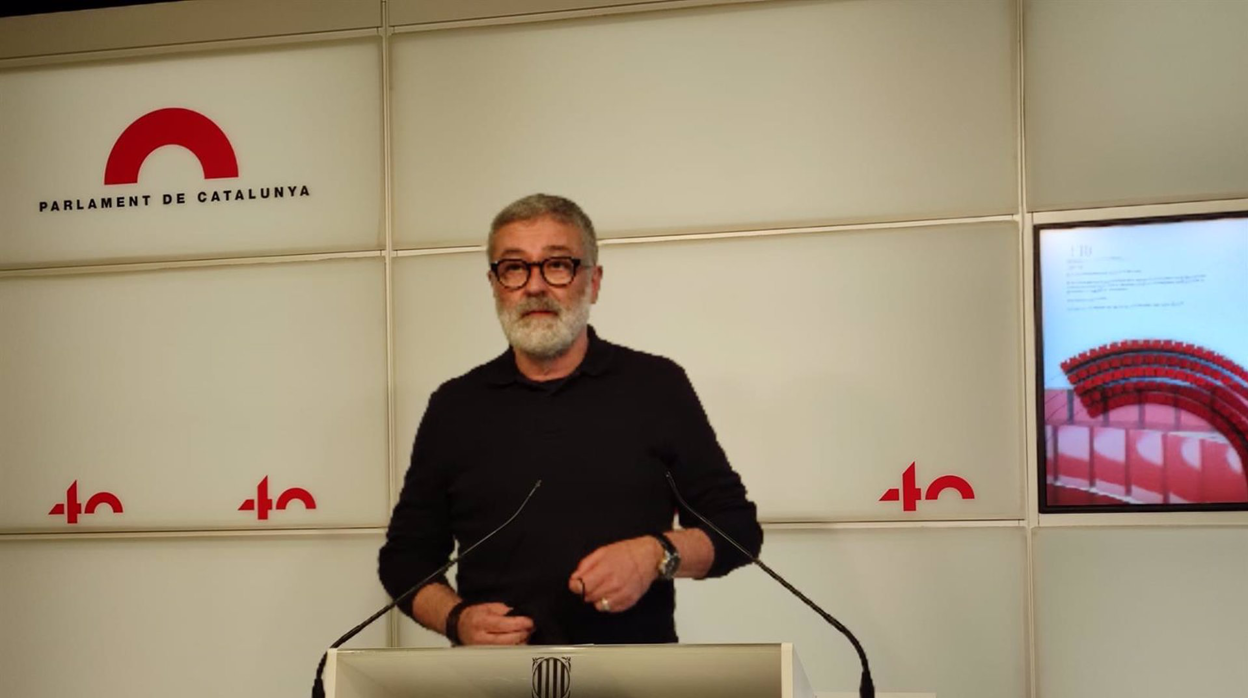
x=1142, y=364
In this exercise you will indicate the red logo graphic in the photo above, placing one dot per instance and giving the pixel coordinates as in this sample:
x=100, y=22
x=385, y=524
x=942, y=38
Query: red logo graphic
x=71, y=509
x=262, y=505
x=910, y=493
x=172, y=126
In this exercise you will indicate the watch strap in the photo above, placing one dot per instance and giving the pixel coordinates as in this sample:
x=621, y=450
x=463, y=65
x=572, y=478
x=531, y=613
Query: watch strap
x=452, y=623
x=671, y=557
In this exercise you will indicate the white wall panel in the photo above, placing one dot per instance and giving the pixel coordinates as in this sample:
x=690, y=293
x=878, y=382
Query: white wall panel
x=298, y=116
x=242, y=617
x=827, y=362
x=937, y=610
x=717, y=118
x=1135, y=102
x=1147, y=613
x=178, y=391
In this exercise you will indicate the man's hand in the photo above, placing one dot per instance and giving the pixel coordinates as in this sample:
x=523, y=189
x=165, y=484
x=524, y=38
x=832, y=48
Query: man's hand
x=489, y=624
x=619, y=573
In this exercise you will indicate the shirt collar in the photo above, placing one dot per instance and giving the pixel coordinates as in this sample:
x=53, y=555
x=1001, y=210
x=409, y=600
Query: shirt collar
x=502, y=369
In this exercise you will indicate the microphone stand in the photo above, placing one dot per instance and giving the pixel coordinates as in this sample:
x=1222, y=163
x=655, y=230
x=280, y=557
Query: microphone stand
x=866, y=687
x=318, y=686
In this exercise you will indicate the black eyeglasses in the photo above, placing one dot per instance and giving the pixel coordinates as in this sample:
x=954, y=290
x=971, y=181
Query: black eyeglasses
x=556, y=271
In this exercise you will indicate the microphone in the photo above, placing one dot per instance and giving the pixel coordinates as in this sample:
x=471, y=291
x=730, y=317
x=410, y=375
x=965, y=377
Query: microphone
x=318, y=686
x=866, y=688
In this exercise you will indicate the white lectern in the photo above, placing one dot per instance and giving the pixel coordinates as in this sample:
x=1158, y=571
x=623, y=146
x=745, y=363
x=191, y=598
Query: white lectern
x=615, y=671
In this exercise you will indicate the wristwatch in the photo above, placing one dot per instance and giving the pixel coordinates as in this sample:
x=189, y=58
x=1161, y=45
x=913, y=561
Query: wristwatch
x=671, y=557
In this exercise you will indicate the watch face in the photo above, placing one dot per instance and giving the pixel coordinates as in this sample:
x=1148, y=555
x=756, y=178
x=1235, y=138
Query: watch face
x=671, y=558
x=667, y=568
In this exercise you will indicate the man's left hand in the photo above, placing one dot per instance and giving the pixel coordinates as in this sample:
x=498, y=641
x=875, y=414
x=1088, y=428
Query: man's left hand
x=614, y=577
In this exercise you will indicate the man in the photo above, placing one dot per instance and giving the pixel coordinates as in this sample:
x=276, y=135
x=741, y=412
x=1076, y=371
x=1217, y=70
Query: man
x=591, y=559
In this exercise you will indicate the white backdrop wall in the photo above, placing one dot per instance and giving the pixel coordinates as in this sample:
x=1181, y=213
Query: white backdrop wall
x=821, y=208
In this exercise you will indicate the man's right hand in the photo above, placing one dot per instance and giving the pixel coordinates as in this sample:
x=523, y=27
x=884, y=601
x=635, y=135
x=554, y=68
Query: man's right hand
x=489, y=624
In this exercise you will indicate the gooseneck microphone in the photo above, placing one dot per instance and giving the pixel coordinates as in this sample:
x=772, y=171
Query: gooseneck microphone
x=318, y=686
x=866, y=688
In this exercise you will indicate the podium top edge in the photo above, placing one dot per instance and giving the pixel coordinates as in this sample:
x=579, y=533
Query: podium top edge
x=677, y=647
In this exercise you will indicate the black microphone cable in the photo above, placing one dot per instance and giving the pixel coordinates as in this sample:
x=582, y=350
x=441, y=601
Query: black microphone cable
x=318, y=686
x=866, y=688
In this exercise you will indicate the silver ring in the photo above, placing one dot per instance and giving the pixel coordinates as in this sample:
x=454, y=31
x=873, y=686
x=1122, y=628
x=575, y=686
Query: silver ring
x=604, y=605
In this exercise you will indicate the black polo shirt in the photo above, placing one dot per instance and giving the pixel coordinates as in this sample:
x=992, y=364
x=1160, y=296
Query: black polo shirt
x=600, y=441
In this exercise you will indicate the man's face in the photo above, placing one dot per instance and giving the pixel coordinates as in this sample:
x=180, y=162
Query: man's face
x=539, y=319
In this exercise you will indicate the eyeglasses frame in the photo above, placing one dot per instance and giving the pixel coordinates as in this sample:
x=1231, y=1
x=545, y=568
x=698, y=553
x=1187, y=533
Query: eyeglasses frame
x=528, y=271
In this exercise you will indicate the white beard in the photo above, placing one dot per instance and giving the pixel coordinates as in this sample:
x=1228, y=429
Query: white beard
x=543, y=337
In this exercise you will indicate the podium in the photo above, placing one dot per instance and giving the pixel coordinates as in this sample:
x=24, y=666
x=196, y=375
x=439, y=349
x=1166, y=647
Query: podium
x=594, y=671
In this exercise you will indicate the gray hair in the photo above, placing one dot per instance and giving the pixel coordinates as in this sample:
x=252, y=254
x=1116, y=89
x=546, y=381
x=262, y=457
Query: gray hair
x=535, y=206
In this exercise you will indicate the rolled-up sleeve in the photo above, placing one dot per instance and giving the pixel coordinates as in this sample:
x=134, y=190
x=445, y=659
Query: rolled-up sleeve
x=705, y=478
x=419, y=538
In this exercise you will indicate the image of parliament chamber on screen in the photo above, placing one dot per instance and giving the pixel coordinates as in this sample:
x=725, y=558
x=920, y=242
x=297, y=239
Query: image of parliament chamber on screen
x=1142, y=363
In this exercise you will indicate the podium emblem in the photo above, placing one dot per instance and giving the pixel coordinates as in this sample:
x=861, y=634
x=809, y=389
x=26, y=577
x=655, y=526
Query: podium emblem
x=552, y=677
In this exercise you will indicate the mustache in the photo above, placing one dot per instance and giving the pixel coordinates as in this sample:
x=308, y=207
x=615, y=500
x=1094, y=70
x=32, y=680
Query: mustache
x=533, y=303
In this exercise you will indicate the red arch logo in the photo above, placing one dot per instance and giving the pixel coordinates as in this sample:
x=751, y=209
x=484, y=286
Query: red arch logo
x=171, y=126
